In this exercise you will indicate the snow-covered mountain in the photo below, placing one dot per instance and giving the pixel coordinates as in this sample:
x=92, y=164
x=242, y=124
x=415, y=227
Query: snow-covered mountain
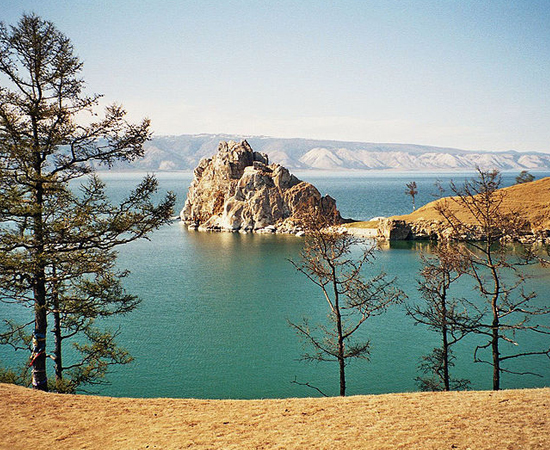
x=185, y=151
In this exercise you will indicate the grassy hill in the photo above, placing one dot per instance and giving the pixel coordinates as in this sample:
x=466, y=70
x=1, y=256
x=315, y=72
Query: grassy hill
x=454, y=420
x=531, y=200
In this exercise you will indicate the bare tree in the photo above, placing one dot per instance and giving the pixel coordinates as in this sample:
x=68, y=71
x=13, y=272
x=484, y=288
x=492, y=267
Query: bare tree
x=412, y=191
x=327, y=261
x=443, y=314
x=477, y=216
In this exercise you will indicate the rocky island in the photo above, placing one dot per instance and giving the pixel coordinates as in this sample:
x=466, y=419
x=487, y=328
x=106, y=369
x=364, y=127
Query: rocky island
x=238, y=190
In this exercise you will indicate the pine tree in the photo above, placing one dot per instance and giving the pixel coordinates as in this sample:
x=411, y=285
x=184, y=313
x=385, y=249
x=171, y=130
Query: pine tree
x=57, y=248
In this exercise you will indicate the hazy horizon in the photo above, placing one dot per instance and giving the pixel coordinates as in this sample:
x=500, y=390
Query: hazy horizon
x=467, y=75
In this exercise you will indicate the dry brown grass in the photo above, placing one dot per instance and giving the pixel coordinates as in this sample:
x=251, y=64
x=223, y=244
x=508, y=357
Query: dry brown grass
x=531, y=200
x=516, y=419
x=371, y=224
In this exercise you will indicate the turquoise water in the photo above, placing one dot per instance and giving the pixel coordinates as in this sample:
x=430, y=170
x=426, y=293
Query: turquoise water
x=213, y=320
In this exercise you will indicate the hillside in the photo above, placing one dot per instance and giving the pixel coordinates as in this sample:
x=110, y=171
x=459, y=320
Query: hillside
x=455, y=420
x=185, y=151
x=532, y=200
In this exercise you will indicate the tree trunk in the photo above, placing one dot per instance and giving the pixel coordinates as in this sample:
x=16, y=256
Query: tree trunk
x=38, y=362
x=342, y=377
x=340, y=333
x=495, y=326
x=496, y=354
x=39, y=378
x=446, y=381
x=57, y=333
x=57, y=347
x=444, y=330
x=341, y=348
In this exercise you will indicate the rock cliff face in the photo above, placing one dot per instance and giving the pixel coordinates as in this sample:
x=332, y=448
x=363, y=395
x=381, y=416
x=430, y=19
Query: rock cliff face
x=238, y=190
x=401, y=230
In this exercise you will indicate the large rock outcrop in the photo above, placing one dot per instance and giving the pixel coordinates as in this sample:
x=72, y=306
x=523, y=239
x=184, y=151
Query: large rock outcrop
x=238, y=190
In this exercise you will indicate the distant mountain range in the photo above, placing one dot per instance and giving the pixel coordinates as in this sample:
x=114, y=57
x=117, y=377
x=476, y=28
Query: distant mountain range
x=185, y=151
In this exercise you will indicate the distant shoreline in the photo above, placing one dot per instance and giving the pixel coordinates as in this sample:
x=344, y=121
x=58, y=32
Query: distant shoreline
x=330, y=172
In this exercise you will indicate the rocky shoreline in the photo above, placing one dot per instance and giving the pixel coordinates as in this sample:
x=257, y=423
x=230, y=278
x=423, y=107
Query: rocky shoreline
x=238, y=190
x=523, y=207
x=390, y=229
x=434, y=230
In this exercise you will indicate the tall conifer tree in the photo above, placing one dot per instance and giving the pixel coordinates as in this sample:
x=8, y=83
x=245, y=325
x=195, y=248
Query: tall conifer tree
x=57, y=248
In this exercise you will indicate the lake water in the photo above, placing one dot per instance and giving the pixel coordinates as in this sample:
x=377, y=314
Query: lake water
x=213, y=322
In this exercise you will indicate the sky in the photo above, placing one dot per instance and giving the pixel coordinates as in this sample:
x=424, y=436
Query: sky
x=473, y=75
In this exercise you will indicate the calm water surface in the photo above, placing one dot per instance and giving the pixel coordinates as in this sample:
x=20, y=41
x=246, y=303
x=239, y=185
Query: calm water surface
x=213, y=322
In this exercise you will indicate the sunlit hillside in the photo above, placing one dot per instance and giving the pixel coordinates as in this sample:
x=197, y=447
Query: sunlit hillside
x=531, y=200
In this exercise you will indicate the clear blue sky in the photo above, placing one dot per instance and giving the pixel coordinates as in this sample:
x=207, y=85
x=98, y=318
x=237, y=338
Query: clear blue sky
x=466, y=74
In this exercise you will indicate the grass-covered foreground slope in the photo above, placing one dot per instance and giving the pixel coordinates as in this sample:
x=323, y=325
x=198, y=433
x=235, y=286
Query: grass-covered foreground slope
x=531, y=200
x=515, y=419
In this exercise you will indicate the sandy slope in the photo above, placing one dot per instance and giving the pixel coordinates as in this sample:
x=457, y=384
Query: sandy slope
x=532, y=200
x=516, y=419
